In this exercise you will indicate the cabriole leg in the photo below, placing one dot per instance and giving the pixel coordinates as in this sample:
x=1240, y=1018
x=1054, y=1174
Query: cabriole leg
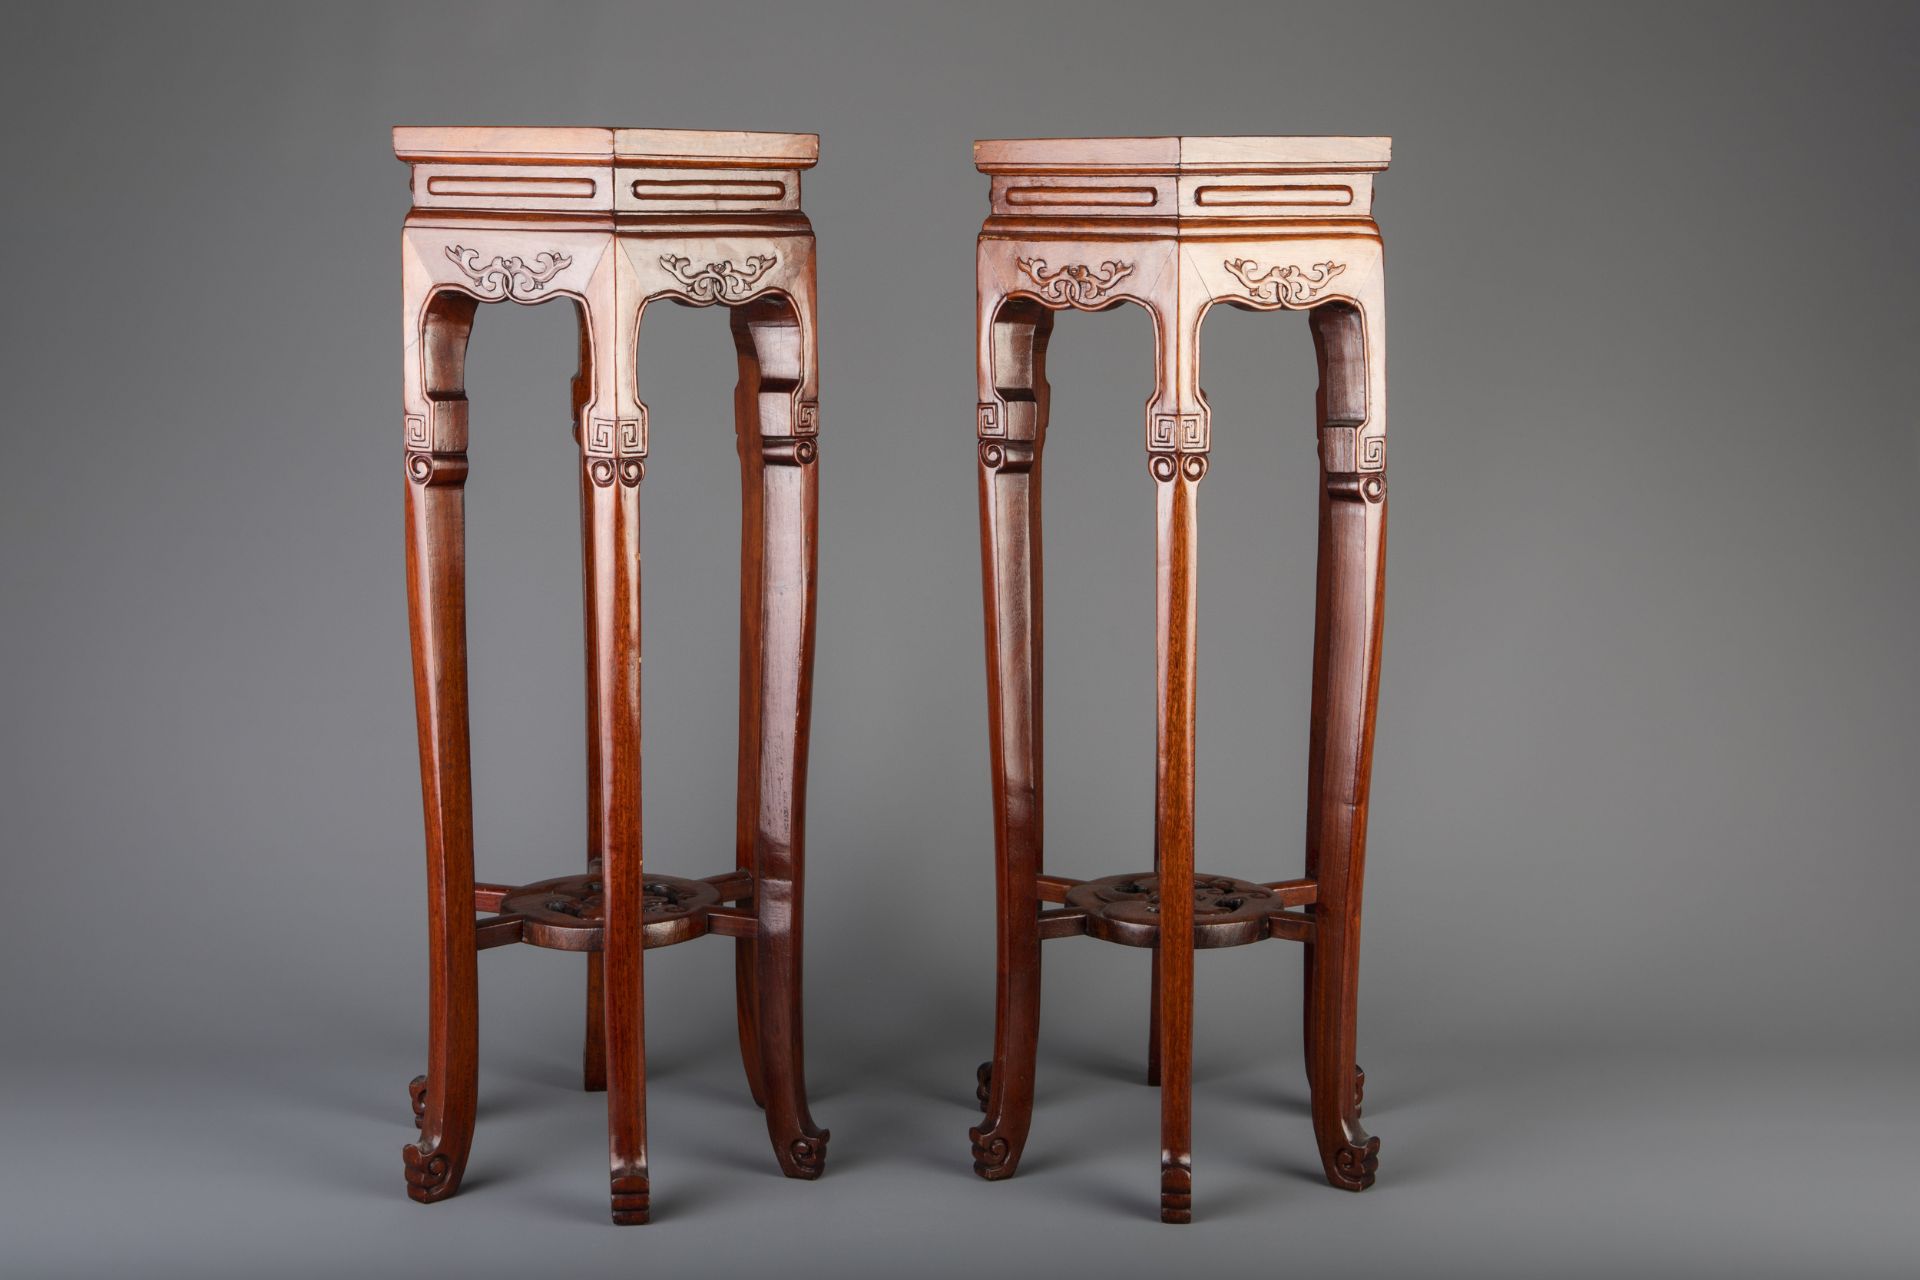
x=1346, y=673
x=779, y=418
x=436, y=464
x=1012, y=428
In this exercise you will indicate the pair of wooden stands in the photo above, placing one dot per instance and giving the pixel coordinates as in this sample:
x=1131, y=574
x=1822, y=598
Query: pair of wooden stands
x=616, y=219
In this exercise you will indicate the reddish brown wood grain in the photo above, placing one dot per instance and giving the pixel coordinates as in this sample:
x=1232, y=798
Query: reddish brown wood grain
x=1176, y=225
x=611, y=221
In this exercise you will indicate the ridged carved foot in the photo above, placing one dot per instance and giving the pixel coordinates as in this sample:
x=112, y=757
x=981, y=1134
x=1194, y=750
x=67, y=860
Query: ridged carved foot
x=429, y=1174
x=1352, y=1165
x=993, y=1156
x=1176, y=1192
x=417, y=1090
x=983, y=1089
x=807, y=1156
x=630, y=1200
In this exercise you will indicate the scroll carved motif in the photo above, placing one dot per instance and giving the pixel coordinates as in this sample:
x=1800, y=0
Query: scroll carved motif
x=427, y=1172
x=1355, y=1166
x=617, y=448
x=437, y=470
x=719, y=281
x=1076, y=284
x=504, y=277
x=1287, y=285
x=788, y=451
x=417, y=1091
x=809, y=1154
x=1013, y=456
x=989, y=1154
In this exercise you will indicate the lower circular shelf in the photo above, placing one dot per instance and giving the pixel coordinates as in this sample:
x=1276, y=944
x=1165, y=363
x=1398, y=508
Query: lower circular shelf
x=569, y=913
x=1126, y=909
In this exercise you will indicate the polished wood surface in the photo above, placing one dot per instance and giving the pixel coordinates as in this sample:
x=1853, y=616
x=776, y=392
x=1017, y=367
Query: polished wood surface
x=613, y=220
x=1176, y=225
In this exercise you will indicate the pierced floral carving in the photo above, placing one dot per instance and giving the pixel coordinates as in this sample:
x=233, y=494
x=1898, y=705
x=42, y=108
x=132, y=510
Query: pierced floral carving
x=1287, y=285
x=1076, y=284
x=569, y=913
x=719, y=281
x=1227, y=912
x=504, y=277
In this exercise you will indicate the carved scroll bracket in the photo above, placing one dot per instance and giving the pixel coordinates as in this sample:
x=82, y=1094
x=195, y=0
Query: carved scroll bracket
x=1075, y=284
x=718, y=281
x=1287, y=285
x=506, y=277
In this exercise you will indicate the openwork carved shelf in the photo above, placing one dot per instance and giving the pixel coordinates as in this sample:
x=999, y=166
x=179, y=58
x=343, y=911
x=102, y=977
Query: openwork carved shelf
x=570, y=913
x=1226, y=912
x=609, y=222
x=1178, y=226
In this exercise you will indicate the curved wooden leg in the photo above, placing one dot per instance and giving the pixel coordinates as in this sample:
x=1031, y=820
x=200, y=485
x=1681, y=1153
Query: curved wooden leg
x=1012, y=428
x=1346, y=677
x=776, y=360
x=444, y=1100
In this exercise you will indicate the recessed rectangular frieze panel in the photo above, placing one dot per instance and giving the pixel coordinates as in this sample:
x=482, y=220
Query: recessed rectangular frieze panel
x=546, y=188
x=1307, y=195
x=664, y=189
x=1071, y=195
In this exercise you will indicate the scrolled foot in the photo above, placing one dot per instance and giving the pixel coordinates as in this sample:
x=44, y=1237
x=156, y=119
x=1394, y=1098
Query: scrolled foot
x=1176, y=1192
x=631, y=1200
x=417, y=1090
x=429, y=1174
x=984, y=1084
x=993, y=1156
x=1352, y=1165
x=808, y=1155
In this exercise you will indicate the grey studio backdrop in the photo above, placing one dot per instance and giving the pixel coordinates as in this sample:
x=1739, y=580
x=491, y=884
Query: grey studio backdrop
x=1639, y=980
